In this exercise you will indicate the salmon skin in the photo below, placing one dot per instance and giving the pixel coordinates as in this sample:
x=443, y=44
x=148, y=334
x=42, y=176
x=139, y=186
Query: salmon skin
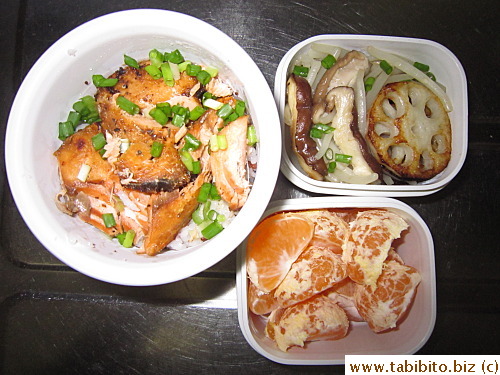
x=153, y=194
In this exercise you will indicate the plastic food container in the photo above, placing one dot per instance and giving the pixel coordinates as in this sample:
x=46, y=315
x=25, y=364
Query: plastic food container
x=443, y=64
x=57, y=80
x=416, y=249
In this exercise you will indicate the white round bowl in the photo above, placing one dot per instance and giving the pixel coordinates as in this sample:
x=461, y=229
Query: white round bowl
x=57, y=80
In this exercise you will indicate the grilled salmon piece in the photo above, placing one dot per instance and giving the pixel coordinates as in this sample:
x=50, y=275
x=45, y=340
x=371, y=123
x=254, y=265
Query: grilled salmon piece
x=170, y=213
x=78, y=150
x=229, y=166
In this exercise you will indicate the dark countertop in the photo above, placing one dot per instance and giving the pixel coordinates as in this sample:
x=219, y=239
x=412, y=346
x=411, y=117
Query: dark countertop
x=55, y=320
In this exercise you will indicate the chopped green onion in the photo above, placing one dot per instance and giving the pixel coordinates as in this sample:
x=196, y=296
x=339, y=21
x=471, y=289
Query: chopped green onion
x=386, y=67
x=156, y=57
x=87, y=108
x=193, y=70
x=240, y=107
x=342, y=158
x=119, y=205
x=128, y=241
x=204, y=193
x=206, y=209
x=224, y=111
x=251, y=135
x=153, y=71
x=167, y=74
x=214, y=193
x=74, y=118
x=329, y=154
x=422, y=67
x=203, y=77
x=301, y=71
x=121, y=237
x=183, y=66
x=99, y=81
x=156, y=149
x=233, y=116
x=197, y=215
x=207, y=95
x=222, y=142
x=212, y=71
x=331, y=167
x=221, y=218
x=130, y=61
x=192, y=143
x=213, y=104
x=178, y=120
x=214, y=146
x=212, y=215
x=369, y=83
x=319, y=130
x=180, y=115
x=158, y=115
x=175, y=57
x=165, y=108
x=109, y=220
x=83, y=173
x=212, y=230
x=196, y=113
x=65, y=130
x=127, y=105
x=98, y=141
x=431, y=76
x=187, y=159
x=328, y=61
x=196, y=167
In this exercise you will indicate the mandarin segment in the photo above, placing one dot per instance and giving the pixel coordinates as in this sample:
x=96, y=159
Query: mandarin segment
x=316, y=270
x=382, y=306
x=260, y=302
x=330, y=230
x=317, y=318
x=273, y=246
x=342, y=293
x=372, y=233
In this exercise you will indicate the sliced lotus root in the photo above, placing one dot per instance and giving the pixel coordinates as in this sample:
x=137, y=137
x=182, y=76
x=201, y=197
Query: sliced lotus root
x=410, y=130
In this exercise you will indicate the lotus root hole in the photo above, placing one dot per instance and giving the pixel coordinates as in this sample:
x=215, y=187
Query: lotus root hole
x=438, y=143
x=401, y=154
x=385, y=130
x=425, y=161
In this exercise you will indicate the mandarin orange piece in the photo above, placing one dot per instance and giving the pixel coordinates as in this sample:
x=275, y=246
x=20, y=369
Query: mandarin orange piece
x=260, y=302
x=272, y=247
x=317, y=318
x=382, y=306
x=342, y=293
x=372, y=233
x=330, y=229
x=315, y=270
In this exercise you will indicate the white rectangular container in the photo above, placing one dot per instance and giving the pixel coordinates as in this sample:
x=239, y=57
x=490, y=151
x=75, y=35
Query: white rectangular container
x=416, y=249
x=444, y=64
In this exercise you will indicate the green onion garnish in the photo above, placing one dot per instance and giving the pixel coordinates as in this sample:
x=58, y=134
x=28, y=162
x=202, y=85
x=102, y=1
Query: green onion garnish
x=214, y=193
x=240, y=107
x=74, y=118
x=212, y=103
x=197, y=215
x=233, y=116
x=203, y=77
x=175, y=57
x=100, y=81
x=65, y=130
x=196, y=167
x=84, y=172
x=156, y=149
x=386, y=67
x=212, y=71
x=204, y=193
x=109, y=220
x=160, y=116
x=328, y=61
x=329, y=154
x=251, y=135
x=431, y=76
x=87, y=108
x=301, y=71
x=193, y=70
x=127, y=105
x=156, y=57
x=319, y=130
x=342, y=158
x=186, y=159
x=224, y=111
x=128, y=241
x=98, y=141
x=331, y=167
x=167, y=74
x=165, y=108
x=422, y=67
x=183, y=66
x=222, y=142
x=212, y=215
x=369, y=83
x=196, y=113
x=130, y=61
x=192, y=143
x=212, y=230
x=153, y=71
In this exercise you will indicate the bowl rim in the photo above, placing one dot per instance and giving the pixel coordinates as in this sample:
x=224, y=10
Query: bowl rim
x=331, y=202
x=155, y=272
x=300, y=179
